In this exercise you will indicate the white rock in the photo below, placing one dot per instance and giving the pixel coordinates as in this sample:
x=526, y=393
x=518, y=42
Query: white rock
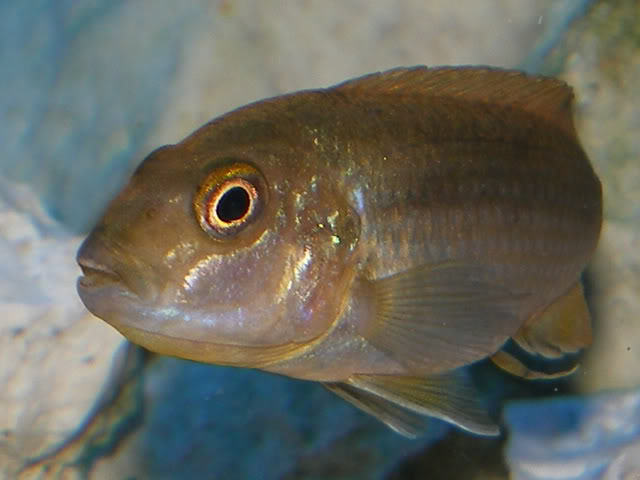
x=54, y=356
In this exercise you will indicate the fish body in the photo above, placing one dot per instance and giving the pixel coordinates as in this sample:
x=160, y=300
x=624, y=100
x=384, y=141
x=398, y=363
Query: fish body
x=375, y=236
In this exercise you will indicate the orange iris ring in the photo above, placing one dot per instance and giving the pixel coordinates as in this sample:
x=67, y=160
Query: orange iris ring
x=217, y=184
x=212, y=218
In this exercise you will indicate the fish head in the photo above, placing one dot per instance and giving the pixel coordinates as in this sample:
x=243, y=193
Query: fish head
x=215, y=254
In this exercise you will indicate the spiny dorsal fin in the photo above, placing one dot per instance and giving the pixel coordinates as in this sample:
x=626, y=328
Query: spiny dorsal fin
x=563, y=327
x=545, y=97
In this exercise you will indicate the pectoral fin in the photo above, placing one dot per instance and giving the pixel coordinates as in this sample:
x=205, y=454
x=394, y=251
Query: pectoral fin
x=397, y=400
x=437, y=318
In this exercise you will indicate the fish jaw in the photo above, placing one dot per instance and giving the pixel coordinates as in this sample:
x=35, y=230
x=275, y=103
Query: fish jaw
x=100, y=285
x=107, y=297
x=105, y=287
x=158, y=322
x=185, y=311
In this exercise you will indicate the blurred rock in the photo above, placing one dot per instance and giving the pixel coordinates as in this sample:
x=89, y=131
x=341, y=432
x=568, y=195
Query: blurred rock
x=575, y=438
x=54, y=356
x=83, y=83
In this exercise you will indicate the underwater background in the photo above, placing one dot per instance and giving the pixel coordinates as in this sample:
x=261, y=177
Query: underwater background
x=90, y=87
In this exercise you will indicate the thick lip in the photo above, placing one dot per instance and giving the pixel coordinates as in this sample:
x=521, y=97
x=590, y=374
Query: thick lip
x=96, y=274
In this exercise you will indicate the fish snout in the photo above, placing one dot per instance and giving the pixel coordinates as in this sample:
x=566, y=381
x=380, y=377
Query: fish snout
x=108, y=268
x=94, y=264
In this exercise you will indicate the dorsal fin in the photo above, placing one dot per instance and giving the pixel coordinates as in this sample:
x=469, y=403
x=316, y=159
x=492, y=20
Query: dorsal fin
x=545, y=97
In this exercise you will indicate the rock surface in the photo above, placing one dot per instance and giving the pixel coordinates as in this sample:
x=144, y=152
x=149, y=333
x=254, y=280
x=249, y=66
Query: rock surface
x=575, y=438
x=54, y=356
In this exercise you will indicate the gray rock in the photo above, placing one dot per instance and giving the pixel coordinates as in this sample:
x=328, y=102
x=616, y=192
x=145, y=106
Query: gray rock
x=54, y=356
x=575, y=438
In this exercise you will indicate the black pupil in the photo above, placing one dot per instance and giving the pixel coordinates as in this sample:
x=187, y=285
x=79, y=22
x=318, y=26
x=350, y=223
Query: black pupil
x=233, y=205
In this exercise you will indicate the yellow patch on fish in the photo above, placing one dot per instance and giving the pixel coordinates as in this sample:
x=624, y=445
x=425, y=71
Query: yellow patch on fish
x=377, y=236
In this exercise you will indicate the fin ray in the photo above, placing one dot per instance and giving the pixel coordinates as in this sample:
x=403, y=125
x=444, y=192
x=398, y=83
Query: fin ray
x=514, y=366
x=437, y=318
x=451, y=397
x=545, y=97
x=401, y=420
x=563, y=327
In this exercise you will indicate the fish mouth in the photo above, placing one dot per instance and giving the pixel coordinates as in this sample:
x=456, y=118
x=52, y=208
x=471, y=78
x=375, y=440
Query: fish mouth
x=96, y=274
x=103, y=291
x=103, y=280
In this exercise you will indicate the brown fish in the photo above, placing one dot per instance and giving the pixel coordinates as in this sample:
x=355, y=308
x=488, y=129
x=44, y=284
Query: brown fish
x=375, y=236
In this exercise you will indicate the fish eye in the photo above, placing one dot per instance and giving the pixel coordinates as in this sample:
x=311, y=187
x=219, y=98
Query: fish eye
x=229, y=199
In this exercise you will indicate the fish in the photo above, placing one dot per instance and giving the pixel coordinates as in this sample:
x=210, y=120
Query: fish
x=378, y=236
